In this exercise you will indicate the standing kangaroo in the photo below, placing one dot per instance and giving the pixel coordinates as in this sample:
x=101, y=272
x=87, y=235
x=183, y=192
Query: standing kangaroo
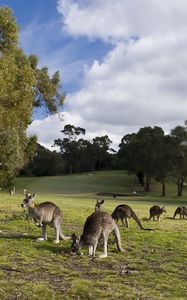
x=156, y=211
x=46, y=213
x=12, y=190
x=97, y=224
x=125, y=212
x=182, y=211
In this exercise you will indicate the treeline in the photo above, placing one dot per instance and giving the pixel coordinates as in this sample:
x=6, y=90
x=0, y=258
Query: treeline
x=149, y=153
x=76, y=155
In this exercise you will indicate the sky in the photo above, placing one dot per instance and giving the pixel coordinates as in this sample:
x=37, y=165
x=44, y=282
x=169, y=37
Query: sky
x=123, y=64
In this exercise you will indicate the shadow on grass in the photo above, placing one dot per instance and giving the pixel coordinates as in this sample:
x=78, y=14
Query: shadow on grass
x=177, y=219
x=145, y=219
x=51, y=247
x=16, y=236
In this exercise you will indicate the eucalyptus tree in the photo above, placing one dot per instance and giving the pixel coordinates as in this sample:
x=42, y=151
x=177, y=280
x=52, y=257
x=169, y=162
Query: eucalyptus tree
x=69, y=146
x=23, y=87
x=44, y=163
x=179, y=156
x=101, y=145
x=141, y=152
x=82, y=155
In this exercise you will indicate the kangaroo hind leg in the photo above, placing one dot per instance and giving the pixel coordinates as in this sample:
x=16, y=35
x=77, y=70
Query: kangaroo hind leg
x=105, y=240
x=125, y=222
x=44, y=234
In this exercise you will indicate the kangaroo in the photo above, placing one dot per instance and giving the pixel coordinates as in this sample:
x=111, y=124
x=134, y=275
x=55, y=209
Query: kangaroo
x=97, y=224
x=12, y=190
x=125, y=212
x=156, y=211
x=182, y=211
x=43, y=214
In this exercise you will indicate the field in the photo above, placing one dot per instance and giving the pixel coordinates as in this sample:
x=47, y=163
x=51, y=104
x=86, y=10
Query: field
x=154, y=265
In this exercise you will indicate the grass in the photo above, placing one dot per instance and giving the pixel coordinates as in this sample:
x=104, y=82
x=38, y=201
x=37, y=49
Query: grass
x=153, y=266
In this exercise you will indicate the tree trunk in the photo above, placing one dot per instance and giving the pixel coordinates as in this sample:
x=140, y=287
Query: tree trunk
x=163, y=188
x=179, y=187
x=147, y=183
x=71, y=168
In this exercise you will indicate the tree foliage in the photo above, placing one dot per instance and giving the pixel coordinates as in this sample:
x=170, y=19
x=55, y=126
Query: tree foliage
x=23, y=86
x=44, y=163
x=82, y=155
x=154, y=155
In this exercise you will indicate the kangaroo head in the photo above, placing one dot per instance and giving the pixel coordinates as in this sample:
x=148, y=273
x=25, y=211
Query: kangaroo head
x=99, y=204
x=75, y=246
x=163, y=209
x=28, y=201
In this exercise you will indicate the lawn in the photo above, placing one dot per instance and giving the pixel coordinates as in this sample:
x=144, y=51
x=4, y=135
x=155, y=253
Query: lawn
x=153, y=265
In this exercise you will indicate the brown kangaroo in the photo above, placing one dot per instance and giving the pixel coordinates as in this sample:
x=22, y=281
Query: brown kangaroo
x=125, y=212
x=43, y=214
x=97, y=224
x=182, y=211
x=156, y=211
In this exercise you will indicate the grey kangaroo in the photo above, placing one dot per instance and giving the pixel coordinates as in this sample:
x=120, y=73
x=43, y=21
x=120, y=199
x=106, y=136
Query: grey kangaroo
x=97, y=224
x=43, y=214
x=125, y=212
x=156, y=211
x=181, y=211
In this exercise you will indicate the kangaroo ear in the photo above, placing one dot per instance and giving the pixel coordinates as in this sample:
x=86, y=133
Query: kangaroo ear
x=78, y=239
x=28, y=195
x=102, y=201
x=73, y=236
x=32, y=196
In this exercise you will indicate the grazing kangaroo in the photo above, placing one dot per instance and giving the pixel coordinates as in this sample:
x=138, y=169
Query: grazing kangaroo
x=97, y=224
x=182, y=211
x=46, y=213
x=156, y=211
x=125, y=212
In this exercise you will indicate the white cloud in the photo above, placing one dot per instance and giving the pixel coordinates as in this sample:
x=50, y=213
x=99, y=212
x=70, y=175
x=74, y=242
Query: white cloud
x=108, y=19
x=142, y=81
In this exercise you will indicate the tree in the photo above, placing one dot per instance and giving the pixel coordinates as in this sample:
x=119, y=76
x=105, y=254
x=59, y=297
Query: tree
x=44, y=163
x=46, y=88
x=81, y=155
x=179, y=156
x=23, y=87
x=69, y=146
x=101, y=148
x=164, y=161
x=140, y=152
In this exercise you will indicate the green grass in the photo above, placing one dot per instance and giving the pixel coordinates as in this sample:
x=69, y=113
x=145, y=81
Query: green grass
x=152, y=267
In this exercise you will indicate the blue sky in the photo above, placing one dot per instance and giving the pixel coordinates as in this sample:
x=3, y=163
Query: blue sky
x=41, y=33
x=122, y=63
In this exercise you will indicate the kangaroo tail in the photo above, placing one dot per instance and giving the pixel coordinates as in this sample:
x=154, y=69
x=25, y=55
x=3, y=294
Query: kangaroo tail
x=118, y=238
x=175, y=214
x=135, y=217
x=65, y=237
x=115, y=215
